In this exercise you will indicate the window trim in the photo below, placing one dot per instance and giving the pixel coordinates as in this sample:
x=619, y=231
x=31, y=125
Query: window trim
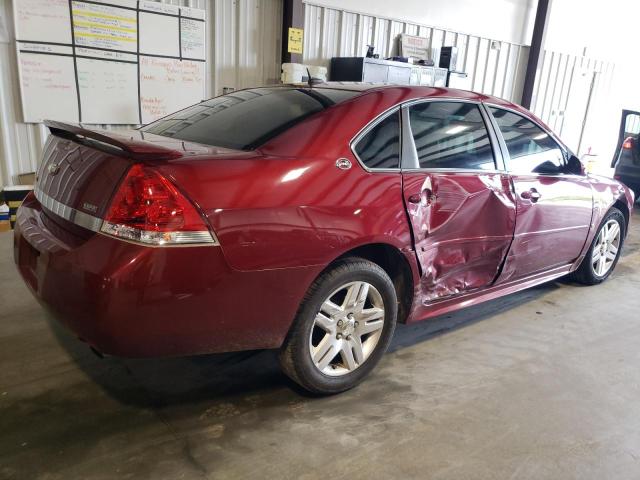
x=503, y=144
x=405, y=127
x=409, y=165
x=370, y=126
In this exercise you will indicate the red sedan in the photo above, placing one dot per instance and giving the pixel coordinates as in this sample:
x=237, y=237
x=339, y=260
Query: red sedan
x=309, y=220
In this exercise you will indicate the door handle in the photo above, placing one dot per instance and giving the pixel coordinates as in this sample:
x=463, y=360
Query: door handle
x=531, y=194
x=426, y=197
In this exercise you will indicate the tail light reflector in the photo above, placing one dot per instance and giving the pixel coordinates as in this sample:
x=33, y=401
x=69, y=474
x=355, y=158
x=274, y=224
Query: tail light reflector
x=149, y=209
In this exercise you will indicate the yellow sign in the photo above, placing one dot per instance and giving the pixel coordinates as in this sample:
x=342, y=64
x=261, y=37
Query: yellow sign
x=295, y=40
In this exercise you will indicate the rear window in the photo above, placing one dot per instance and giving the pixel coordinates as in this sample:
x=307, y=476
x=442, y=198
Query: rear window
x=246, y=119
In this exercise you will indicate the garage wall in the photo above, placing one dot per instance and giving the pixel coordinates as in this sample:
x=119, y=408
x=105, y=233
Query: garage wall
x=493, y=66
x=573, y=95
x=508, y=20
x=243, y=49
x=566, y=87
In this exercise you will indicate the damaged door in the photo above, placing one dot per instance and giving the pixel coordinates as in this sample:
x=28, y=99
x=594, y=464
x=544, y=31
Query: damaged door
x=458, y=198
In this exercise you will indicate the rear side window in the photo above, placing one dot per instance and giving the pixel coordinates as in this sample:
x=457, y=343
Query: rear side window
x=632, y=124
x=451, y=135
x=531, y=149
x=246, y=119
x=380, y=147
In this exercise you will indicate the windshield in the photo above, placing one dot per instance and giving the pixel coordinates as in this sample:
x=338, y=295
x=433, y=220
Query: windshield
x=246, y=119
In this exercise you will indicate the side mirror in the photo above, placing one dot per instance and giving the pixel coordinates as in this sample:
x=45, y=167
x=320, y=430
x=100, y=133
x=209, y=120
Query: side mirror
x=575, y=166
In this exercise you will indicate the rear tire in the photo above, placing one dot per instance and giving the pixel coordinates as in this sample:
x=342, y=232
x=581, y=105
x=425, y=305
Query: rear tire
x=605, y=250
x=344, y=325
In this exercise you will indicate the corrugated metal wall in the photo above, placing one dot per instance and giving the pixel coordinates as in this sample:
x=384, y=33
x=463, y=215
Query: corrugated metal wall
x=570, y=94
x=561, y=96
x=493, y=67
x=243, y=49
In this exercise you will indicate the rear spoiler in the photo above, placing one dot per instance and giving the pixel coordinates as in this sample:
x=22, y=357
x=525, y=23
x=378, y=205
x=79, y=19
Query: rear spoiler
x=136, y=149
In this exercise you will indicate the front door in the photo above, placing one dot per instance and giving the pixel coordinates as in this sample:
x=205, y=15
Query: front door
x=554, y=203
x=459, y=203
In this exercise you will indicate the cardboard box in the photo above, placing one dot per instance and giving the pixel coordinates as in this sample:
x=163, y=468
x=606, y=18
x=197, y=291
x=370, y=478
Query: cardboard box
x=4, y=218
x=27, y=178
x=13, y=196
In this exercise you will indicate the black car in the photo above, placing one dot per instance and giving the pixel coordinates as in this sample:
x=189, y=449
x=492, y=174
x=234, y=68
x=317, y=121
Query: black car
x=626, y=160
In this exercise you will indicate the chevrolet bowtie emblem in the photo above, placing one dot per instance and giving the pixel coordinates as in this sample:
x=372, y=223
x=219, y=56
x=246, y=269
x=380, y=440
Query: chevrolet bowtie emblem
x=54, y=168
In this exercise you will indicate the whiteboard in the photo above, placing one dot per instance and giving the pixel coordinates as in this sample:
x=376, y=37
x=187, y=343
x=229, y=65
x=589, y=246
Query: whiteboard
x=49, y=83
x=158, y=74
x=42, y=21
x=192, y=39
x=108, y=62
x=102, y=26
x=106, y=95
x=159, y=35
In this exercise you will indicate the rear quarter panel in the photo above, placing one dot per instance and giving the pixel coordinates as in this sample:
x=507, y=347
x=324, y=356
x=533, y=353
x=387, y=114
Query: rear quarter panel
x=283, y=213
x=293, y=207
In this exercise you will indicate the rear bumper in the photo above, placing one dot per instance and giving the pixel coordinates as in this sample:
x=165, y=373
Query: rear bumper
x=130, y=300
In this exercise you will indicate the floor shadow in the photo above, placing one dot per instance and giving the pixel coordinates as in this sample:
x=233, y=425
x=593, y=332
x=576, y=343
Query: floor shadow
x=232, y=376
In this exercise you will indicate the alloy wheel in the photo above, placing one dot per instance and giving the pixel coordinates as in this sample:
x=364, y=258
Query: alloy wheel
x=347, y=328
x=605, y=250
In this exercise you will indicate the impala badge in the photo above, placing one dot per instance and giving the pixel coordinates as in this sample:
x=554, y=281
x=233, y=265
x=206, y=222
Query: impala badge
x=54, y=168
x=90, y=207
x=343, y=164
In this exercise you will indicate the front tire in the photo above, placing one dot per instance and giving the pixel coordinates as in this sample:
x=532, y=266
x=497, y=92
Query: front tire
x=605, y=250
x=343, y=327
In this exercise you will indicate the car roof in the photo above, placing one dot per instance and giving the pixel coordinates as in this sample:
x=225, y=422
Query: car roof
x=416, y=91
x=411, y=92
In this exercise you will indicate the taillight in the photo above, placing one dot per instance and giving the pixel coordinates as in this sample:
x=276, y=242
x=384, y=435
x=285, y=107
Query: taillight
x=149, y=209
x=628, y=144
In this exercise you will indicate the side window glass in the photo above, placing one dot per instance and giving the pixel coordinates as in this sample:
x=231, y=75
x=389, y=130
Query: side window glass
x=632, y=124
x=531, y=149
x=380, y=147
x=451, y=135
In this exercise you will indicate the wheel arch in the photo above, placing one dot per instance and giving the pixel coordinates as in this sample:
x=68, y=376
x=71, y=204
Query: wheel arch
x=395, y=264
x=621, y=205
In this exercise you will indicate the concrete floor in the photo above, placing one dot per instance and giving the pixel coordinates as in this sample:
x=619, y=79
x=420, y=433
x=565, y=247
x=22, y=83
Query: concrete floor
x=541, y=384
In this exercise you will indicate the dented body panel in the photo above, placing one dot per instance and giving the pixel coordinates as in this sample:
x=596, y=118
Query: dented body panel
x=462, y=226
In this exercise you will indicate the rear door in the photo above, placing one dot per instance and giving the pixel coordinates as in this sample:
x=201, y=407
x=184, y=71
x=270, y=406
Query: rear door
x=626, y=159
x=457, y=197
x=554, y=205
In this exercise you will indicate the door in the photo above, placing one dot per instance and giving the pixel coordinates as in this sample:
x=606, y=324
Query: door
x=571, y=122
x=627, y=156
x=553, y=198
x=460, y=205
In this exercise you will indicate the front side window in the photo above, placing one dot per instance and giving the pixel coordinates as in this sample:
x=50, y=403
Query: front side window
x=451, y=135
x=380, y=147
x=531, y=149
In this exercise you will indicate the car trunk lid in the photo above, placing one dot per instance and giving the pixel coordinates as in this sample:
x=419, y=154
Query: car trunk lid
x=82, y=168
